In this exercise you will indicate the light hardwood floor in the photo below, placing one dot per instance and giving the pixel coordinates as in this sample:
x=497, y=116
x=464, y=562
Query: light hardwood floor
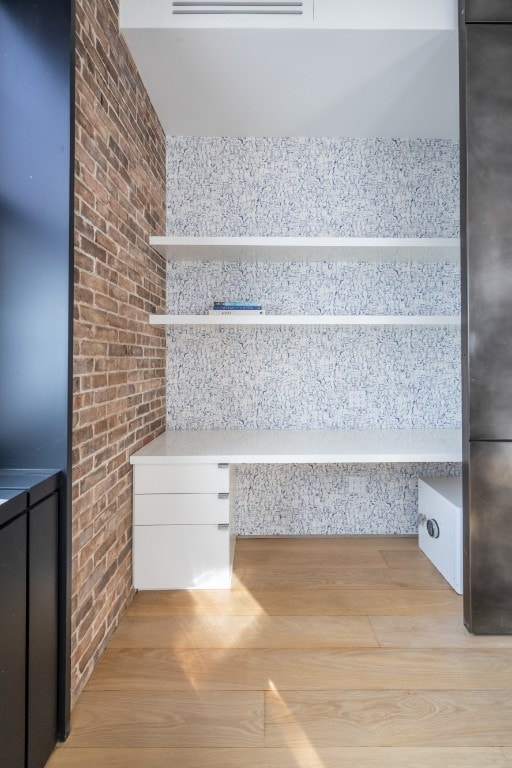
x=327, y=653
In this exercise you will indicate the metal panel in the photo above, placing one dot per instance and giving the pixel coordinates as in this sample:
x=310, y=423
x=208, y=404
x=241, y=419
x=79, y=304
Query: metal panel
x=488, y=118
x=36, y=260
x=488, y=604
x=488, y=11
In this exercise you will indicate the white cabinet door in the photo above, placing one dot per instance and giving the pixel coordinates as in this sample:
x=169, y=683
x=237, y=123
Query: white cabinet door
x=181, y=557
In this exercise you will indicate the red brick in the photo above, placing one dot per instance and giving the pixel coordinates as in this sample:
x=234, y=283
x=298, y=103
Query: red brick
x=119, y=365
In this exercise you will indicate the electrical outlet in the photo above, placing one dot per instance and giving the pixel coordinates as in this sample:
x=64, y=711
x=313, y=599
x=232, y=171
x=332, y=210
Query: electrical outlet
x=357, y=484
x=357, y=398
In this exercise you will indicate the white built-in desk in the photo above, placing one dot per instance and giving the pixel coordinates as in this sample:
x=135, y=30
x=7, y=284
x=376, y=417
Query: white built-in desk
x=183, y=533
x=301, y=446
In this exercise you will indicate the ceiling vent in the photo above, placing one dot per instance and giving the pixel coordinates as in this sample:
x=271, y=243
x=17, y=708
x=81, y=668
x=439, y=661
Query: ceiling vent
x=191, y=7
x=215, y=14
x=236, y=13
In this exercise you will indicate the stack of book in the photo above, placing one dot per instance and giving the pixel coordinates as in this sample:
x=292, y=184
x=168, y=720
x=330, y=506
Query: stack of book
x=236, y=308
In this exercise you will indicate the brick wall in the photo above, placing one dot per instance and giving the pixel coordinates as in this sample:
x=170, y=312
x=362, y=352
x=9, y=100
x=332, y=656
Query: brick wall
x=119, y=360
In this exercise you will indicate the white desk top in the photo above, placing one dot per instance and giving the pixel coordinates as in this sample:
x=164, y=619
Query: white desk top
x=301, y=446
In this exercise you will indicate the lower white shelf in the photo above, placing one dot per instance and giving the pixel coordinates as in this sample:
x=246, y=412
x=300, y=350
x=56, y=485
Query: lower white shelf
x=301, y=446
x=304, y=320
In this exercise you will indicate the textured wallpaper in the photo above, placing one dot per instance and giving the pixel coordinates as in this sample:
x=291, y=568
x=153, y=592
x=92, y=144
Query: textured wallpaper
x=313, y=377
x=294, y=499
x=312, y=288
x=310, y=377
x=306, y=186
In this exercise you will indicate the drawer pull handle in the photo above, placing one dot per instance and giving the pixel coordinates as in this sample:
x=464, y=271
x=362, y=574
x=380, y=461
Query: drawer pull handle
x=223, y=526
x=223, y=466
x=223, y=495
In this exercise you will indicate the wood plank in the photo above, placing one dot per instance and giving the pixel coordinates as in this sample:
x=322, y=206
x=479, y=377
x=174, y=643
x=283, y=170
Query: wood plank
x=297, y=602
x=232, y=632
x=426, y=577
x=326, y=544
x=404, y=558
x=171, y=719
x=195, y=705
x=305, y=757
x=306, y=559
x=388, y=718
x=431, y=632
x=295, y=670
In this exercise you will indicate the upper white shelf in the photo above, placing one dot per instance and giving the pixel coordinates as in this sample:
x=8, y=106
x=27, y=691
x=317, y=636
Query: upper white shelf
x=301, y=446
x=304, y=319
x=181, y=248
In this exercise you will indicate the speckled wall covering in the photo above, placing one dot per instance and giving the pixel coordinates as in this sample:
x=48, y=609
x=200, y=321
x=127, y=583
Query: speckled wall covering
x=337, y=288
x=310, y=377
x=313, y=377
x=312, y=186
x=294, y=499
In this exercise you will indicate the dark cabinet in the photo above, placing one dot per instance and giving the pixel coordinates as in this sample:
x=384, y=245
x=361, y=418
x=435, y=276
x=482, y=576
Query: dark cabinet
x=13, y=569
x=42, y=590
x=29, y=619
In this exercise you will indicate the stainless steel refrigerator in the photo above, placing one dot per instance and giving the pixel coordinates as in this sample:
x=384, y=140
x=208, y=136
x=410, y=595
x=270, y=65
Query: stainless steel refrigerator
x=486, y=196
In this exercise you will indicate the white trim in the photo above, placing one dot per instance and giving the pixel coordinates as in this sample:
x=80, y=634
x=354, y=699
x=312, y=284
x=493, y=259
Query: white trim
x=182, y=248
x=304, y=320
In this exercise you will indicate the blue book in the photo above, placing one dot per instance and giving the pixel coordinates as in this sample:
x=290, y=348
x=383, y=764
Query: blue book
x=236, y=305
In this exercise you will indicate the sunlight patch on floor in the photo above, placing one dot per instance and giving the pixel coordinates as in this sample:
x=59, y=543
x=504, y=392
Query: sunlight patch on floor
x=303, y=758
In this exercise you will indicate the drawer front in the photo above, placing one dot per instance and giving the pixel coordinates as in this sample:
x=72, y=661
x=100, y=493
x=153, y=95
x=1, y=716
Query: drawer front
x=180, y=478
x=181, y=557
x=180, y=509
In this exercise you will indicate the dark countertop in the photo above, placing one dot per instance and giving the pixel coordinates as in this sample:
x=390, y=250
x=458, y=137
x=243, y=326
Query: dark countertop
x=22, y=488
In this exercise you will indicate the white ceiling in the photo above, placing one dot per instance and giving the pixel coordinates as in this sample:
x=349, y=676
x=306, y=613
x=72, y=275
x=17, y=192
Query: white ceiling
x=378, y=82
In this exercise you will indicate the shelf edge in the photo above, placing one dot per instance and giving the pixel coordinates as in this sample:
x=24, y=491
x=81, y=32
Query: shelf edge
x=337, y=320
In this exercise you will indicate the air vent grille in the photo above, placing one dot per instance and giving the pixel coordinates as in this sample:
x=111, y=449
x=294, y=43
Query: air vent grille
x=195, y=8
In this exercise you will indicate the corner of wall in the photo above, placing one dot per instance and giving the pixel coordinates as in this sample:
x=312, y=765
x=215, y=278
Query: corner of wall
x=119, y=359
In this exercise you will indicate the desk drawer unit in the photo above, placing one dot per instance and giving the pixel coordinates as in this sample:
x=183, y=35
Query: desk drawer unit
x=182, y=533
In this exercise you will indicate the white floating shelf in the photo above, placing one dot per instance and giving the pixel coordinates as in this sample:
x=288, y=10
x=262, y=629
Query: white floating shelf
x=302, y=446
x=424, y=249
x=304, y=320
